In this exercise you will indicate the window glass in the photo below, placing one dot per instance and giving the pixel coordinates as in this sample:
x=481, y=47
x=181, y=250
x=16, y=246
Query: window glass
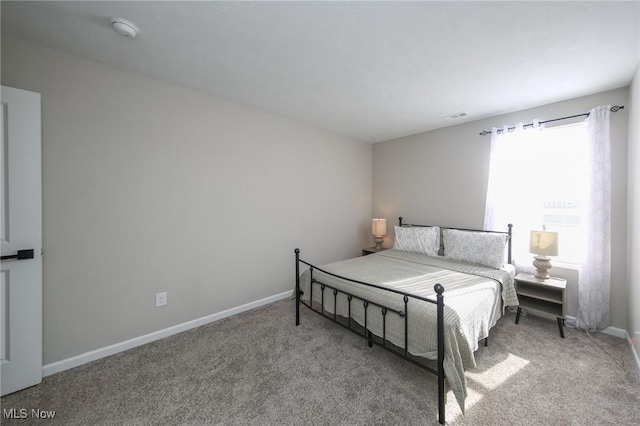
x=564, y=188
x=536, y=182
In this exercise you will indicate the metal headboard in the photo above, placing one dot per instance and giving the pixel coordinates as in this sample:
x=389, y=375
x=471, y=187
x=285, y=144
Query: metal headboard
x=508, y=233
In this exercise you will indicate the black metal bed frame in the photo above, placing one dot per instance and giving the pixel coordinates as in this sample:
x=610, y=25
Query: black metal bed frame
x=363, y=331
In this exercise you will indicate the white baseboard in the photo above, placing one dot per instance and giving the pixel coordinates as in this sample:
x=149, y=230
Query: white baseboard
x=634, y=353
x=616, y=332
x=87, y=357
x=570, y=322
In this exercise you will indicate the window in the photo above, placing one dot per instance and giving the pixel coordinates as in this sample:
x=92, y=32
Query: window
x=537, y=179
x=562, y=204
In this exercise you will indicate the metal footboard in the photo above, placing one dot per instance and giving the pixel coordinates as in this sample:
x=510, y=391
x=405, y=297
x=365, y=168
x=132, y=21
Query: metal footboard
x=371, y=307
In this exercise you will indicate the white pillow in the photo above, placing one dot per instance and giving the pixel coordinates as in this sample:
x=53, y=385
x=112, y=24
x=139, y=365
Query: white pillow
x=484, y=248
x=419, y=239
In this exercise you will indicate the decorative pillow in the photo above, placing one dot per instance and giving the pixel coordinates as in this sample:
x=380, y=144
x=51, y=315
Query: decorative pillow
x=425, y=240
x=484, y=248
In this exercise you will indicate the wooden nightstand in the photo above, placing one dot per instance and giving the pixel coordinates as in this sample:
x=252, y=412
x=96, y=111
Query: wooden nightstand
x=546, y=298
x=369, y=250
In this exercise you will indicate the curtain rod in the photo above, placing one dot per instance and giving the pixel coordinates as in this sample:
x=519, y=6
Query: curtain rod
x=614, y=108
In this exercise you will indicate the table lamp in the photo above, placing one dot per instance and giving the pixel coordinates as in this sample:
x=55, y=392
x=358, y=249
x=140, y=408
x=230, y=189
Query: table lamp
x=543, y=244
x=379, y=230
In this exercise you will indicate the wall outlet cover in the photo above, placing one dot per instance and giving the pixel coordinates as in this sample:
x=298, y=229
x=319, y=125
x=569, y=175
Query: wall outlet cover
x=161, y=299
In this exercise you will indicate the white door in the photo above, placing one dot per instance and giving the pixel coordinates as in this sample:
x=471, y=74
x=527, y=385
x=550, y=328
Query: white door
x=20, y=231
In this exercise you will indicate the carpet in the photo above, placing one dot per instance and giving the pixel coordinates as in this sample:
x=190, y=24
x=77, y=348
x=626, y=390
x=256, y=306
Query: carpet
x=257, y=368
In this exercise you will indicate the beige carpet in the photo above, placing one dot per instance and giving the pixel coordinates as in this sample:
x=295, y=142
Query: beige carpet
x=257, y=368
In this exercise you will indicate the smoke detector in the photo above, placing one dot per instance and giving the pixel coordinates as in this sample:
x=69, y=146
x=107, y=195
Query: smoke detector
x=124, y=27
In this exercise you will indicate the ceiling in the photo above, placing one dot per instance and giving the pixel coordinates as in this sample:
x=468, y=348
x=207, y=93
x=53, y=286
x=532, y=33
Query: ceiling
x=372, y=71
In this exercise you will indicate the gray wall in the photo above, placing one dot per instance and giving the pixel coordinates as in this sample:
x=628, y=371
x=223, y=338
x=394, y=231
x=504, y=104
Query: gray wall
x=440, y=178
x=149, y=187
x=634, y=210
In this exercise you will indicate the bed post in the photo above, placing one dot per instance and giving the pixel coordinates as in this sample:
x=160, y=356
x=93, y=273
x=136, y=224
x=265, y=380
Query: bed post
x=441, y=395
x=509, y=246
x=400, y=220
x=297, y=252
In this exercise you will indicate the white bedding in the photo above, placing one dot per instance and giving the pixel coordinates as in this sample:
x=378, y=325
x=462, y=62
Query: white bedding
x=475, y=297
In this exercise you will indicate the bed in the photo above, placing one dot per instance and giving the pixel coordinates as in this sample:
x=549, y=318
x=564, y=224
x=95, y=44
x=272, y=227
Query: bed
x=396, y=298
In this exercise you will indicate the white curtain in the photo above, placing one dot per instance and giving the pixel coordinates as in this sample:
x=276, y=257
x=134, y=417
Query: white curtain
x=513, y=192
x=523, y=170
x=594, y=276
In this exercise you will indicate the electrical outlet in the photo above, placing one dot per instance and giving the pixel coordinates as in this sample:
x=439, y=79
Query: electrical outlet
x=161, y=299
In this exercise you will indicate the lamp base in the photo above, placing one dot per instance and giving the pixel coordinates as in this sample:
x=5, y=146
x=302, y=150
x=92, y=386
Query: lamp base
x=378, y=240
x=542, y=265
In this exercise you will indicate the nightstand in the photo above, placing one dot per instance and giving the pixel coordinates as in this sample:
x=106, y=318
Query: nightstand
x=546, y=298
x=369, y=250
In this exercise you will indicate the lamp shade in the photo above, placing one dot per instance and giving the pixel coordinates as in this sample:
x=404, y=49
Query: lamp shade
x=379, y=227
x=543, y=243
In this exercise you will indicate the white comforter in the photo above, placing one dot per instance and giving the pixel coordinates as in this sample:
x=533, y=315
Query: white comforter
x=474, y=298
